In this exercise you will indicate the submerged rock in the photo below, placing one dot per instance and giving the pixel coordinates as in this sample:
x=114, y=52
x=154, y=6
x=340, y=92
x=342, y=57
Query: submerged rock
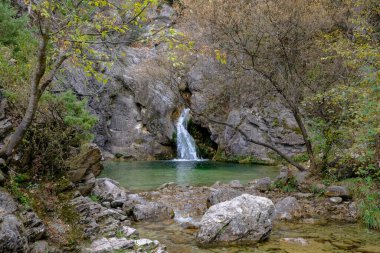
x=298, y=240
x=287, y=209
x=244, y=219
x=235, y=184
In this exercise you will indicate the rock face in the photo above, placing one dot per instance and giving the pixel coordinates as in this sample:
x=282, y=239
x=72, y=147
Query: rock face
x=244, y=219
x=12, y=238
x=97, y=219
x=84, y=167
x=138, y=107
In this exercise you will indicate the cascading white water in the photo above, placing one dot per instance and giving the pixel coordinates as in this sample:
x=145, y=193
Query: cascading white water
x=186, y=148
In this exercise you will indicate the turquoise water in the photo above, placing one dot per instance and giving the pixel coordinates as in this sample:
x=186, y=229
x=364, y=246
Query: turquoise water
x=148, y=175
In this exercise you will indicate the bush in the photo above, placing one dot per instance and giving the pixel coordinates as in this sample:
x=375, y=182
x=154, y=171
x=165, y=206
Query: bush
x=367, y=194
x=61, y=127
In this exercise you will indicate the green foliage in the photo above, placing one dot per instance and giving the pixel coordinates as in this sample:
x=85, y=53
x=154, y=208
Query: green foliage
x=17, y=49
x=11, y=27
x=346, y=118
x=76, y=113
x=288, y=184
x=95, y=198
x=315, y=189
x=15, y=189
x=61, y=127
x=119, y=234
x=301, y=158
x=367, y=194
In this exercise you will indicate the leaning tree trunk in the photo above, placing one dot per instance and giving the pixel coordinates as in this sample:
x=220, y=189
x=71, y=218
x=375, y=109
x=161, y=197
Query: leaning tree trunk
x=305, y=136
x=34, y=97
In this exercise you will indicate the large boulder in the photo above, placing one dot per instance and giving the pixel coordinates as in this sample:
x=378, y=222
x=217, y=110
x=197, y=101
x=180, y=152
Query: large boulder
x=109, y=190
x=11, y=237
x=152, y=211
x=221, y=195
x=245, y=219
x=86, y=162
x=287, y=209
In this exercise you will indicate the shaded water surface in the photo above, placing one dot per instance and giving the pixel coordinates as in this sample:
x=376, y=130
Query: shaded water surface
x=148, y=175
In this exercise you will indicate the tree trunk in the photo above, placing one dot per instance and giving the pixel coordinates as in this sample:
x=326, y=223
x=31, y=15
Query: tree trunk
x=34, y=97
x=305, y=136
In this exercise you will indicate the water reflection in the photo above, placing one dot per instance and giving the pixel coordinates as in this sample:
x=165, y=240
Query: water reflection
x=185, y=171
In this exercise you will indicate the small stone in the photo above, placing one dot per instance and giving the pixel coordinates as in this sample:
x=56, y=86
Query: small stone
x=262, y=184
x=302, y=195
x=144, y=242
x=368, y=249
x=353, y=210
x=284, y=173
x=299, y=240
x=168, y=185
x=217, y=184
x=190, y=225
x=40, y=247
x=236, y=184
x=338, y=191
x=341, y=245
x=128, y=231
x=106, y=204
x=336, y=200
x=117, y=203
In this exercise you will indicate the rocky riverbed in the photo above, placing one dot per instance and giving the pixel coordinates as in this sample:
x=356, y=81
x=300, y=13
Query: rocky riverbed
x=223, y=216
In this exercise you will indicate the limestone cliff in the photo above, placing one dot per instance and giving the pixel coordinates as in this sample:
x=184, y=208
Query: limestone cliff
x=138, y=106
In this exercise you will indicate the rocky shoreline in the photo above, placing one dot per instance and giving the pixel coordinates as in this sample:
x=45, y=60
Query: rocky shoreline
x=223, y=214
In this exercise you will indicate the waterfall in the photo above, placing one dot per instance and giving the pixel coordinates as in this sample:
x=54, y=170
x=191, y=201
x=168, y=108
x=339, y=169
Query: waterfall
x=186, y=148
